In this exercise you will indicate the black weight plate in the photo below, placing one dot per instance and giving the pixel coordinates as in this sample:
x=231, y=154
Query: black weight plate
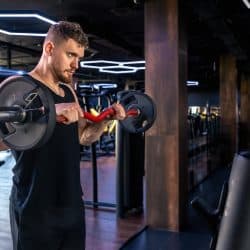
x=33, y=132
x=147, y=111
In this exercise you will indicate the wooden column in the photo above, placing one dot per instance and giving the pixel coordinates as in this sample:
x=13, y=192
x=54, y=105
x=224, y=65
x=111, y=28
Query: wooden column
x=229, y=108
x=166, y=141
x=244, y=123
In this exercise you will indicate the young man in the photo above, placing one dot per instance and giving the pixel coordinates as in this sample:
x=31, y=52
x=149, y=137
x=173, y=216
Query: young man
x=46, y=199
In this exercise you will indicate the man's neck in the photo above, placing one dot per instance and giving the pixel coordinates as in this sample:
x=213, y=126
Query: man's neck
x=38, y=74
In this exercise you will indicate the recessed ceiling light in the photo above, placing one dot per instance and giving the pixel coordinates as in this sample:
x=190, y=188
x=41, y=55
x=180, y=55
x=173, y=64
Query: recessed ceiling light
x=192, y=83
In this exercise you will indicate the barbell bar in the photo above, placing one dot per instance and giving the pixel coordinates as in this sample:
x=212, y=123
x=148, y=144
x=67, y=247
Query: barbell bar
x=102, y=116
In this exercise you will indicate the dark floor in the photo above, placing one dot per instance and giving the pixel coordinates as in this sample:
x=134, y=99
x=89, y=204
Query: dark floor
x=156, y=239
x=197, y=235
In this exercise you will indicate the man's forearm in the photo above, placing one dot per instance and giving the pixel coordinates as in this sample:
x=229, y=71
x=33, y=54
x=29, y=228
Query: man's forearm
x=91, y=132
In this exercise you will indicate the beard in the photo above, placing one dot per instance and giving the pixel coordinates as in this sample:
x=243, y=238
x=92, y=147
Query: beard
x=64, y=77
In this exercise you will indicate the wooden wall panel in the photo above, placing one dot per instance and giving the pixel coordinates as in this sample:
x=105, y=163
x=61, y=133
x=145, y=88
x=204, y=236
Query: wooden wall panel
x=229, y=108
x=166, y=141
x=244, y=122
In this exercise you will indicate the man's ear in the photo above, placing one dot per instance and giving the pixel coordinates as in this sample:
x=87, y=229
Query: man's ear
x=48, y=48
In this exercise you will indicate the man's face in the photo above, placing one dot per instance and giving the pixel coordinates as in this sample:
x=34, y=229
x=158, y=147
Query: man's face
x=65, y=60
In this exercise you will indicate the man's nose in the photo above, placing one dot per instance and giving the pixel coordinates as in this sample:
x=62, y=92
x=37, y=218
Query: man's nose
x=75, y=63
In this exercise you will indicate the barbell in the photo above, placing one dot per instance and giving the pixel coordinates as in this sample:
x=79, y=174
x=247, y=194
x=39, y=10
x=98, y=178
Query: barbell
x=28, y=116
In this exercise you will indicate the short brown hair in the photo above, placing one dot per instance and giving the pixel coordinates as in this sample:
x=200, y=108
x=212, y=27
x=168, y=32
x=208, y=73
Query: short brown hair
x=64, y=30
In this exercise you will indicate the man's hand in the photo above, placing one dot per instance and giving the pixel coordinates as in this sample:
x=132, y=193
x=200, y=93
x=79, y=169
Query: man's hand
x=120, y=113
x=71, y=111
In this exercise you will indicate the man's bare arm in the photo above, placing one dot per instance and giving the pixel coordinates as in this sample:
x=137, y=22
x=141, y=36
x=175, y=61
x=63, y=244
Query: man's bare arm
x=3, y=146
x=90, y=132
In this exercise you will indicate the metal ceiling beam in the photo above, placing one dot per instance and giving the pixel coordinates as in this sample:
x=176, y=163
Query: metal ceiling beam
x=18, y=48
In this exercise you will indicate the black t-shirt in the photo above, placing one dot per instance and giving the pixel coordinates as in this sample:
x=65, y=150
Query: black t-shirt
x=49, y=177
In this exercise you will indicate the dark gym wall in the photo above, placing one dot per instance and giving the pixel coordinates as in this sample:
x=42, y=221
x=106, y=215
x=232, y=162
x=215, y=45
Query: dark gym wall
x=199, y=97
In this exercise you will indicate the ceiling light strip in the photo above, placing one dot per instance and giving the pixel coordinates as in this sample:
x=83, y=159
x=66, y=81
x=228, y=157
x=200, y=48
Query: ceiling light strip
x=25, y=15
x=125, y=67
x=247, y=3
x=107, y=66
x=118, y=71
x=21, y=33
x=192, y=83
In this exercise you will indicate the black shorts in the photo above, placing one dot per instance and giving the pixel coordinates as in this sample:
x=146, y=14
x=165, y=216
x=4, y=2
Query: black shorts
x=52, y=230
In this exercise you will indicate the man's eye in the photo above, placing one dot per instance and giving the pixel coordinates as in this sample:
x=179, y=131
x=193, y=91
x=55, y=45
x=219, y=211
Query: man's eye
x=69, y=54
